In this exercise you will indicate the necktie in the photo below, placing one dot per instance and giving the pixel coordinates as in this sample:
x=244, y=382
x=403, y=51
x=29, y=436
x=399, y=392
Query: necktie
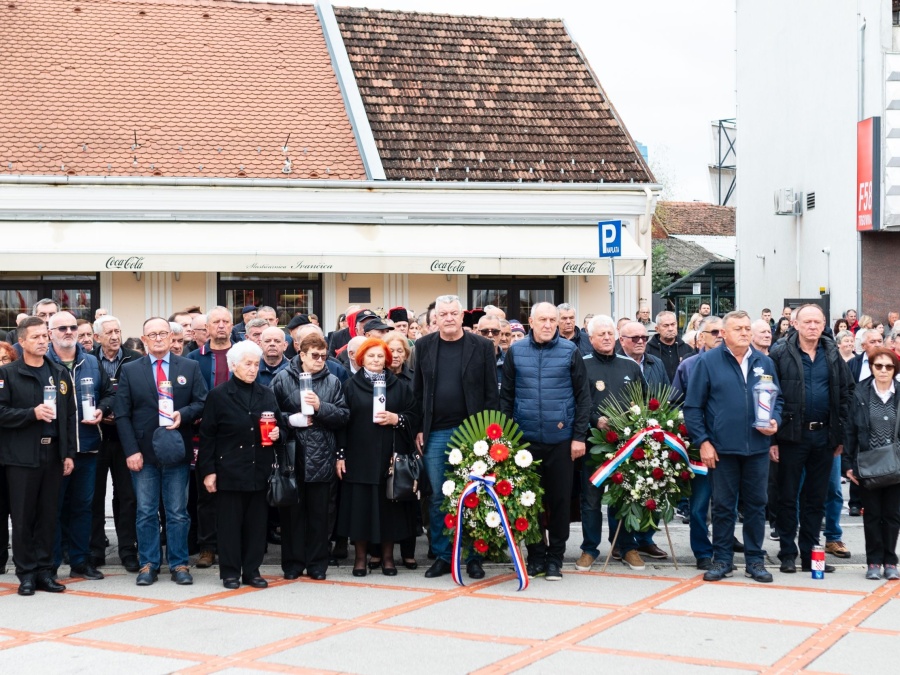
x=160, y=373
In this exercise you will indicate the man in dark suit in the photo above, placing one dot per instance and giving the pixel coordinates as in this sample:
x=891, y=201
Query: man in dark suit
x=455, y=377
x=137, y=418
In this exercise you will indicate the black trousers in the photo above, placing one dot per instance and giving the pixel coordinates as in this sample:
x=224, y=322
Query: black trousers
x=881, y=524
x=241, y=520
x=111, y=459
x=794, y=458
x=4, y=520
x=206, y=516
x=855, y=496
x=305, y=529
x=556, y=470
x=33, y=505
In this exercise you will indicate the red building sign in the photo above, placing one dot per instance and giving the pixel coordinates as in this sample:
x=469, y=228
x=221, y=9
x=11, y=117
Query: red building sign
x=868, y=174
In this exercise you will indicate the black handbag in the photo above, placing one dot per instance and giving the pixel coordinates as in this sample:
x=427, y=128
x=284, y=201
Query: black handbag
x=403, y=477
x=283, y=490
x=880, y=467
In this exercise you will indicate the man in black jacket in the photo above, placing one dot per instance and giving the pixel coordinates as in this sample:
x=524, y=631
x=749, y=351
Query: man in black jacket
x=666, y=345
x=455, y=377
x=816, y=388
x=37, y=448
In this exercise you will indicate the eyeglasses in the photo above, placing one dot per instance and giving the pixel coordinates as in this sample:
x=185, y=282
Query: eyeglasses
x=714, y=332
x=4, y=360
x=883, y=366
x=162, y=335
x=489, y=331
x=67, y=329
x=316, y=357
x=637, y=338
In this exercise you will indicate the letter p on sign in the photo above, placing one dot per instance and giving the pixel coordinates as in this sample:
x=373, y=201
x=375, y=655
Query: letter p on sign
x=610, y=238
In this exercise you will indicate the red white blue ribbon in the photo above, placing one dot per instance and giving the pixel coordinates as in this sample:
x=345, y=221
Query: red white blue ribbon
x=672, y=441
x=487, y=484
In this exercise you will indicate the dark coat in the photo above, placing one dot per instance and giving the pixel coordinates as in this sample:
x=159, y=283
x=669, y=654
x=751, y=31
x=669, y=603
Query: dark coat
x=582, y=340
x=20, y=430
x=137, y=404
x=789, y=367
x=316, y=444
x=608, y=375
x=856, y=438
x=479, y=377
x=108, y=429
x=855, y=366
x=230, y=438
x=368, y=446
x=671, y=355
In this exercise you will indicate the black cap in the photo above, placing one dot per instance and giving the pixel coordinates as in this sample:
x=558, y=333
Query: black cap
x=396, y=314
x=365, y=315
x=471, y=317
x=377, y=324
x=299, y=320
x=248, y=308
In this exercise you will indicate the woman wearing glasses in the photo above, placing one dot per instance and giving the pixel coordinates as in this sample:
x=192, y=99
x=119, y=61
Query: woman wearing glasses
x=305, y=527
x=873, y=423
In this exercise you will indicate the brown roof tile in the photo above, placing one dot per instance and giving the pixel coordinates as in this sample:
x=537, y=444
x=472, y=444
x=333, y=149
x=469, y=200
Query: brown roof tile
x=196, y=88
x=484, y=99
x=694, y=218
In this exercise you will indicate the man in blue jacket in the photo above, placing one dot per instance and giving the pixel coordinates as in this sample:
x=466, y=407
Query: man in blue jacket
x=719, y=412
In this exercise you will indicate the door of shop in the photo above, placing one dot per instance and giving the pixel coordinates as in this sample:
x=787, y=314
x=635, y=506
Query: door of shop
x=289, y=296
x=78, y=294
x=515, y=295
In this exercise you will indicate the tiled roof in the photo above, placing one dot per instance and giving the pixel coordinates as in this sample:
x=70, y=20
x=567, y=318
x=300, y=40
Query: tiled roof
x=683, y=257
x=170, y=87
x=484, y=99
x=696, y=218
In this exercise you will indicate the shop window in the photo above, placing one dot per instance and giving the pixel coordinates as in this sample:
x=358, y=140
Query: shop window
x=289, y=295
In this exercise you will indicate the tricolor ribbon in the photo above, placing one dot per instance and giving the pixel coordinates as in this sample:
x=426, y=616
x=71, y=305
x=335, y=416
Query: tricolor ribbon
x=672, y=441
x=487, y=484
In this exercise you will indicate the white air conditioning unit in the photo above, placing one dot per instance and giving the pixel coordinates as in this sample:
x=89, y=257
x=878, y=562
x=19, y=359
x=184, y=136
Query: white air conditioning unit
x=788, y=202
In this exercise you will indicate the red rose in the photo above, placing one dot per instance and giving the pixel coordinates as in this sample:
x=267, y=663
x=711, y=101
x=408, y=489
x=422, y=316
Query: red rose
x=674, y=457
x=638, y=454
x=450, y=521
x=653, y=404
x=658, y=436
x=471, y=501
x=504, y=487
x=618, y=477
x=521, y=524
x=612, y=437
x=499, y=452
x=685, y=475
x=650, y=504
x=480, y=545
x=494, y=431
x=682, y=430
x=658, y=473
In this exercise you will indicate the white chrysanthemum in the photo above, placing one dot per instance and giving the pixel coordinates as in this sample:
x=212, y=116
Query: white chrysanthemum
x=652, y=423
x=492, y=519
x=680, y=415
x=654, y=462
x=687, y=444
x=480, y=448
x=524, y=459
x=627, y=431
x=455, y=457
x=650, y=482
x=478, y=468
x=448, y=488
x=670, y=423
x=528, y=498
x=636, y=409
x=639, y=480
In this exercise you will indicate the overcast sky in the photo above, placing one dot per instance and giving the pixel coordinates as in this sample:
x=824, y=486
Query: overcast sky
x=668, y=68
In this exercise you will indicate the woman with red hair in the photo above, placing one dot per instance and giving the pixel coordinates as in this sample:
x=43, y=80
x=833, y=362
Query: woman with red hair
x=366, y=445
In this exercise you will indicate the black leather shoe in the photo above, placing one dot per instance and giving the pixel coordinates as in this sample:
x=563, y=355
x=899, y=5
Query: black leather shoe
x=340, y=549
x=273, y=537
x=438, y=569
x=85, y=571
x=98, y=561
x=256, y=582
x=806, y=566
x=360, y=571
x=474, y=569
x=737, y=546
x=290, y=576
x=410, y=564
x=317, y=575
x=389, y=571
x=855, y=511
x=46, y=583
x=231, y=584
x=130, y=563
x=789, y=566
x=26, y=586
x=704, y=563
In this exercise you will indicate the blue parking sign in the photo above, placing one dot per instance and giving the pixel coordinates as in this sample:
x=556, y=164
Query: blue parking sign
x=610, y=238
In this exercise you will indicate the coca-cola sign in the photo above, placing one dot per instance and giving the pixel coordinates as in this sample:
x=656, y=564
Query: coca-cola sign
x=130, y=263
x=576, y=267
x=448, y=266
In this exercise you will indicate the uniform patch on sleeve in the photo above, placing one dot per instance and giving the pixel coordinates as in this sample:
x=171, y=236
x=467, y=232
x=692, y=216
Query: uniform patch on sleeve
x=2, y=383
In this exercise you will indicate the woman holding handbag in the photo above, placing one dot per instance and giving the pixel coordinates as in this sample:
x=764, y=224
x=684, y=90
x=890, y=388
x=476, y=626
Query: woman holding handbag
x=872, y=434
x=367, y=444
x=235, y=463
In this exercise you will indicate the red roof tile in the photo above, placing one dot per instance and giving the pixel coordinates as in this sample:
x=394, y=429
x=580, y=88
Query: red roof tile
x=170, y=87
x=693, y=218
x=484, y=99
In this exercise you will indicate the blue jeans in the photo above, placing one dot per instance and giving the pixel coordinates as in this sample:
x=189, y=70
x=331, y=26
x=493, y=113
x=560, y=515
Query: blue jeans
x=591, y=514
x=436, y=466
x=747, y=476
x=701, y=492
x=172, y=483
x=627, y=540
x=76, y=494
x=834, y=502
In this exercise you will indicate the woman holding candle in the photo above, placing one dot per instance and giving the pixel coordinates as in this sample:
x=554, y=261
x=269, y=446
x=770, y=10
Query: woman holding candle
x=235, y=462
x=367, y=443
x=312, y=409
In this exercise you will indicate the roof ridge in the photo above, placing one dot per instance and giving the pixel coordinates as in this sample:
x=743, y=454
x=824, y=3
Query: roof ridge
x=359, y=11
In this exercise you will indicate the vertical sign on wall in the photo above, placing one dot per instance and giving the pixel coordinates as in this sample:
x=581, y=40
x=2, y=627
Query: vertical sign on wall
x=868, y=174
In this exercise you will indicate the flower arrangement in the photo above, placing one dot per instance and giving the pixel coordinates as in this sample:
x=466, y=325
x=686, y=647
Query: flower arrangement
x=643, y=456
x=488, y=445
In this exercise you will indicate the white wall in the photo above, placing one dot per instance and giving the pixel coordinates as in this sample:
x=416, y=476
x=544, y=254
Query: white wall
x=797, y=65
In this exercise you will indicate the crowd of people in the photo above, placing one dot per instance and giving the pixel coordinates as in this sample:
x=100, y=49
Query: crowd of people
x=189, y=419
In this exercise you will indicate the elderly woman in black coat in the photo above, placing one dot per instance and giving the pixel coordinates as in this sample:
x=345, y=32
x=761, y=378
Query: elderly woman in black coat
x=305, y=527
x=235, y=465
x=873, y=423
x=367, y=443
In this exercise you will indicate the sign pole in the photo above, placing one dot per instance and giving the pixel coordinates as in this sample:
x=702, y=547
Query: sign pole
x=612, y=288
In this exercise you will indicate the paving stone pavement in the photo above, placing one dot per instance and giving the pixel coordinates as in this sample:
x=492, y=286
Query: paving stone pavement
x=659, y=620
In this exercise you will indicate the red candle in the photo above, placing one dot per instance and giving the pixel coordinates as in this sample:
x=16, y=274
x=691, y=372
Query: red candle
x=266, y=425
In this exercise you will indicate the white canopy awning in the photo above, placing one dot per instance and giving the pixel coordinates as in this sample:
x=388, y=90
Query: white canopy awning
x=273, y=247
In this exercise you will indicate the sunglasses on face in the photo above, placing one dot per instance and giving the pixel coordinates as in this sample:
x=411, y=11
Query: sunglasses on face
x=66, y=329
x=714, y=332
x=882, y=366
x=637, y=338
x=490, y=331
x=316, y=357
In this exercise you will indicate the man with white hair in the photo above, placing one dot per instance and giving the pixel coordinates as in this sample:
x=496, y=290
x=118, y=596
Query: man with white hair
x=255, y=328
x=177, y=338
x=493, y=310
x=568, y=328
x=273, y=344
x=666, y=345
x=761, y=335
